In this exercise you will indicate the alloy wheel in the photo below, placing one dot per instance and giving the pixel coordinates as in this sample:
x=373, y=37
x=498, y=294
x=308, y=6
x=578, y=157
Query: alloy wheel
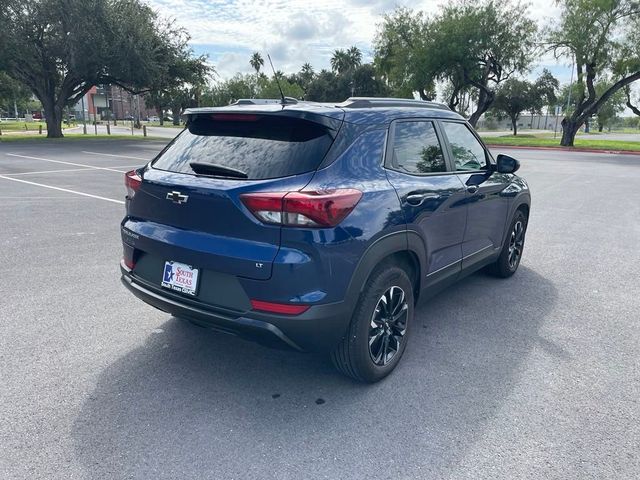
x=516, y=244
x=388, y=326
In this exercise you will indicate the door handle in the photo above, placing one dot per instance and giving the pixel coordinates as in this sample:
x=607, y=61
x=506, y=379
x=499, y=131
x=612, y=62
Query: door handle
x=417, y=198
x=472, y=189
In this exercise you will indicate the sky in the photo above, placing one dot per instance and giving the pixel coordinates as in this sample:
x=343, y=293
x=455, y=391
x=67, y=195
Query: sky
x=299, y=31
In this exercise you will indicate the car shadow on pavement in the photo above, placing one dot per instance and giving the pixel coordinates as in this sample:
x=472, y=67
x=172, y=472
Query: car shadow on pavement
x=195, y=403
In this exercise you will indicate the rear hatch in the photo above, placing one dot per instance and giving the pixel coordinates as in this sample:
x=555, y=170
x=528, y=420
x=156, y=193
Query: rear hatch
x=188, y=209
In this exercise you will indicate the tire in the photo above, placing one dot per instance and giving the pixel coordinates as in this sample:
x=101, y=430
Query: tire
x=354, y=356
x=511, y=254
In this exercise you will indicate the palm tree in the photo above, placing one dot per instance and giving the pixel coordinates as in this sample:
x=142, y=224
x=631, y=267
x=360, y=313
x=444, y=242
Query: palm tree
x=344, y=61
x=307, y=70
x=355, y=57
x=339, y=61
x=256, y=61
x=306, y=75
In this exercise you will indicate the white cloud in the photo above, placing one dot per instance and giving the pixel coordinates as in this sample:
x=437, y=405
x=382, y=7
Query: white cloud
x=295, y=31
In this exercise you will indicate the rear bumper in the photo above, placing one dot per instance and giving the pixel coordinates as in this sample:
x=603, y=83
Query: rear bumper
x=318, y=329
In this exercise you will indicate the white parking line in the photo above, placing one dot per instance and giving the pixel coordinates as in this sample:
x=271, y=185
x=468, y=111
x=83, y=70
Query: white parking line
x=65, y=170
x=63, y=190
x=117, y=156
x=64, y=163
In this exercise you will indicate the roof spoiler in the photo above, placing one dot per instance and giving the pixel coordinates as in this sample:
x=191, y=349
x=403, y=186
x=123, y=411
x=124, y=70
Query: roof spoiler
x=265, y=101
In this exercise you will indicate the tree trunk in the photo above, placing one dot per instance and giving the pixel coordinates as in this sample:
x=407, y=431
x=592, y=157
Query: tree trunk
x=424, y=96
x=53, y=116
x=160, y=112
x=600, y=127
x=176, y=115
x=485, y=99
x=633, y=108
x=569, y=130
x=514, y=123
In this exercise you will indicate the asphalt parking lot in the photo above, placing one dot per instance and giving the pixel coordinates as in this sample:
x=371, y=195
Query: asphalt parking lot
x=533, y=377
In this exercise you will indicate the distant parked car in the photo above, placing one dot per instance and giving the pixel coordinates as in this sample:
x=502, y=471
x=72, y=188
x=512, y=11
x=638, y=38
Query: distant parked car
x=154, y=118
x=319, y=227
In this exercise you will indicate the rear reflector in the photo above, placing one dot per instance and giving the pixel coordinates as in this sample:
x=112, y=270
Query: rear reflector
x=132, y=181
x=130, y=264
x=303, y=209
x=284, y=308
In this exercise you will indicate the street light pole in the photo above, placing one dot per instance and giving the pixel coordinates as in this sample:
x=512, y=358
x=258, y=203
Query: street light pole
x=570, y=86
x=84, y=119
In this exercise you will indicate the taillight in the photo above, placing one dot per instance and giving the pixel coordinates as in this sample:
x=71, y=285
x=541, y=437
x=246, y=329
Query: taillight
x=303, y=209
x=132, y=181
x=283, y=308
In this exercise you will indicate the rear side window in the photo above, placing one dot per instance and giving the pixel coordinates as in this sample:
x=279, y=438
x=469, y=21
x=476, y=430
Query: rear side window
x=416, y=148
x=261, y=146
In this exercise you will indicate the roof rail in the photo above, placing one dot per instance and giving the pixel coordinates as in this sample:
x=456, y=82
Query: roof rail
x=265, y=101
x=373, y=102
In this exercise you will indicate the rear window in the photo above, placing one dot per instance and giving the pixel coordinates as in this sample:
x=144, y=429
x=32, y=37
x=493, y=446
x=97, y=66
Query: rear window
x=261, y=146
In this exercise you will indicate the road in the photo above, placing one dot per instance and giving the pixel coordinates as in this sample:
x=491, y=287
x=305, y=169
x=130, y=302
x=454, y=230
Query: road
x=628, y=137
x=532, y=377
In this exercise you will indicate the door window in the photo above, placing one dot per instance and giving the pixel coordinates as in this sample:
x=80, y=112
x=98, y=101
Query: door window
x=468, y=152
x=416, y=148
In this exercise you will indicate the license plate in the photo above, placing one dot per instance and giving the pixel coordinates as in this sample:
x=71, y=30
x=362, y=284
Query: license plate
x=180, y=277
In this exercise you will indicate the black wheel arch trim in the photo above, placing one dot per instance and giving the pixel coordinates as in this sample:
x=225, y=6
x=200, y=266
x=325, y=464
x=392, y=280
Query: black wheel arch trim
x=386, y=245
x=521, y=200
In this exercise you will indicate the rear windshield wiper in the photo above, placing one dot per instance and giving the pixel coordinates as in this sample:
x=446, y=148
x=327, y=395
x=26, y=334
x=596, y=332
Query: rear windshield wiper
x=212, y=169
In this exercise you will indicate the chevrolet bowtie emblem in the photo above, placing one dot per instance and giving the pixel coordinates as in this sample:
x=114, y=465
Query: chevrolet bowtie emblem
x=177, y=197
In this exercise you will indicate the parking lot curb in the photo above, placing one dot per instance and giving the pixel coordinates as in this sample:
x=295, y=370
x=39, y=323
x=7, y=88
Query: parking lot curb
x=565, y=149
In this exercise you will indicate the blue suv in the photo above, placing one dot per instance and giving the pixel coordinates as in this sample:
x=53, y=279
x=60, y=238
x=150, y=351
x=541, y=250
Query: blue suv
x=318, y=226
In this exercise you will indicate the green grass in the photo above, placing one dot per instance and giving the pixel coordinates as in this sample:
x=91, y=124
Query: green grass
x=166, y=125
x=75, y=136
x=21, y=126
x=533, y=141
x=28, y=126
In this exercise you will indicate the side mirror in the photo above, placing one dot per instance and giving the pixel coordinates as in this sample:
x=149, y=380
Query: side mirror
x=507, y=164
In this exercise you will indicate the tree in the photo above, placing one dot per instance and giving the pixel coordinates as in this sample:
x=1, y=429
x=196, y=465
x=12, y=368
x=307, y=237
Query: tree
x=325, y=88
x=256, y=62
x=469, y=45
x=226, y=92
x=60, y=49
x=344, y=61
x=466, y=97
x=514, y=97
x=479, y=45
x=611, y=108
x=166, y=92
x=398, y=54
x=355, y=57
x=303, y=78
x=14, y=96
x=365, y=82
x=268, y=88
x=339, y=61
x=544, y=93
x=546, y=86
x=602, y=38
